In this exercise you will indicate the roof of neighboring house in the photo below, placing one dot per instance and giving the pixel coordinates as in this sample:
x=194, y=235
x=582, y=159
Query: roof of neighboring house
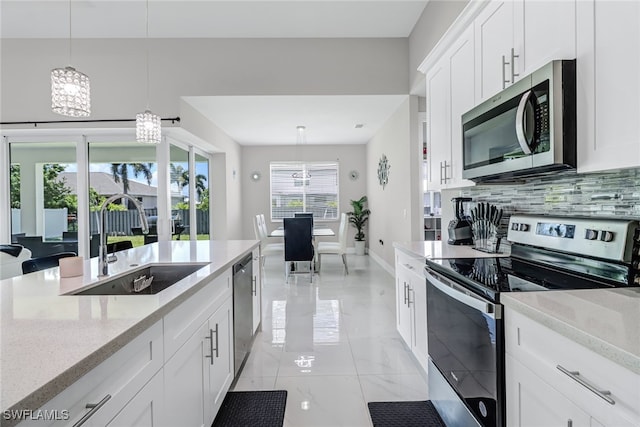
x=105, y=185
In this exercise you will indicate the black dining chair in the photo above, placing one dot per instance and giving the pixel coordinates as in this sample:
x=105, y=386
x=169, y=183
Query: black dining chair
x=119, y=246
x=41, y=263
x=298, y=243
x=34, y=244
x=304, y=215
x=70, y=235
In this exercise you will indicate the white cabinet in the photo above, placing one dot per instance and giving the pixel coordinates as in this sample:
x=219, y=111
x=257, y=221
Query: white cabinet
x=450, y=93
x=256, y=289
x=221, y=367
x=98, y=396
x=145, y=409
x=608, y=92
x=411, y=305
x=495, y=67
x=551, y=379
x=438, y=140
x=533, y=403
x=201, y=371
x=514, y=38
x=186, y=378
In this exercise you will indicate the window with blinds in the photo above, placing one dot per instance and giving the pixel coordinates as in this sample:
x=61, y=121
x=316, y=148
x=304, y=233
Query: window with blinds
x=304, y=187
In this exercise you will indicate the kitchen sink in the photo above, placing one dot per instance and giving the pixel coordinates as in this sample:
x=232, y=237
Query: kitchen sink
x=146, y=280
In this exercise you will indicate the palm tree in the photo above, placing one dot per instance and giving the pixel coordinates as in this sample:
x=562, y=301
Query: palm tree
x=120, y=172
x=181, y=177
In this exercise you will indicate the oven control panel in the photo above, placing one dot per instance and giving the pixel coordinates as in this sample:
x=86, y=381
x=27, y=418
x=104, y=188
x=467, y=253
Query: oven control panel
x=596, y=237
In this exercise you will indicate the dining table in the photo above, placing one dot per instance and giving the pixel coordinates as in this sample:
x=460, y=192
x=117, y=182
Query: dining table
x=317, y=232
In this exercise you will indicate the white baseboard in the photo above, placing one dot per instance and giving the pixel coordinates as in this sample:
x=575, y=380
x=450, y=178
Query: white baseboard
x=383, y=263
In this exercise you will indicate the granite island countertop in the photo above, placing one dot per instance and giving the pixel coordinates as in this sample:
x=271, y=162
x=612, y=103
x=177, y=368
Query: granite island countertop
x=606, y=321
x=49, y=340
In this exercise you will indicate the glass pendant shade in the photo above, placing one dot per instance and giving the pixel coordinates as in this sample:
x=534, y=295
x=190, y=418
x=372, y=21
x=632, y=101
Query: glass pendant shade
x=70, y=92
x=148, y=128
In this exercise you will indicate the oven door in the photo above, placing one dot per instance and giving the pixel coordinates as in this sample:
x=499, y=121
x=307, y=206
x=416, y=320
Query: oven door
x=465, y=337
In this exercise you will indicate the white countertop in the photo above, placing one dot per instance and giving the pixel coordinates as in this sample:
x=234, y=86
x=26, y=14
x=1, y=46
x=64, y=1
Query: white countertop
x=440, y=250
x=49, y=340
x=606, y=321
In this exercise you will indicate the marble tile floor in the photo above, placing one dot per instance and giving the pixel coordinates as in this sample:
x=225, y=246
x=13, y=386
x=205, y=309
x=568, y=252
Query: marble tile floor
x=331, y=344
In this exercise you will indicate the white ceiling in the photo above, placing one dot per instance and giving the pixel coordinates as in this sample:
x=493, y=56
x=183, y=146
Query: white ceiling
x=249, y=120
x=272, y=120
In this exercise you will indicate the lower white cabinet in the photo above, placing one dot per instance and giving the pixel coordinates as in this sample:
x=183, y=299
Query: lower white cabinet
x=256, y=289
x=411, y=305
x=552, y=380
x=145, y=409
x=200, y=373
x=533, y=403
x=98, y=396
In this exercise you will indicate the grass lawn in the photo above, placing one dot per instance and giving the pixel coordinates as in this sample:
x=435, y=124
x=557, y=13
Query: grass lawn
x=139, y=240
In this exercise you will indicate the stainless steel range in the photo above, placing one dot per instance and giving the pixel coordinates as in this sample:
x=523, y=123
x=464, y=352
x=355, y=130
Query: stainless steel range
x=464, y=314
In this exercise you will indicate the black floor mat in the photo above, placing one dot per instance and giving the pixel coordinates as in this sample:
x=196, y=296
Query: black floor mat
x=404, y=414
x=252, y=408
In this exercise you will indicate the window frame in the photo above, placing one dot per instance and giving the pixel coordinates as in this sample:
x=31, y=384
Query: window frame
x=304, y=165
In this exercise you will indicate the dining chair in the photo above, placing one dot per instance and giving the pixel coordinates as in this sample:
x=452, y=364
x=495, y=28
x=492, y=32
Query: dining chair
x=298, y=243
x=119, y=246
x=336, y=248
x=266, y=248
x=41, y=263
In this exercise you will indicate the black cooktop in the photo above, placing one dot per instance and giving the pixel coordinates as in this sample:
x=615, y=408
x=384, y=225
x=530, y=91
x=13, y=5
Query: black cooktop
x=489, y=277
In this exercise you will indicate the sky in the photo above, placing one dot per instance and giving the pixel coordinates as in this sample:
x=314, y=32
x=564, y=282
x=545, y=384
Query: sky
x=201, y=168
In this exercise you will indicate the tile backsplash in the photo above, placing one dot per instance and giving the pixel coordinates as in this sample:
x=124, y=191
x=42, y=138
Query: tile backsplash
x=611, y=194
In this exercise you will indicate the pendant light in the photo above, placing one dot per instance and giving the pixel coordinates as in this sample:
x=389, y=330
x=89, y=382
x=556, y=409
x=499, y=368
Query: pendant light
x=70, y=91
x=148, y=129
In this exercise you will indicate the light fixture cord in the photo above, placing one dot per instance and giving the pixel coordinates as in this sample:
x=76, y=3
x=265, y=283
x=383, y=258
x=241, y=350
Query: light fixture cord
x=147, y=55
x=70, y=33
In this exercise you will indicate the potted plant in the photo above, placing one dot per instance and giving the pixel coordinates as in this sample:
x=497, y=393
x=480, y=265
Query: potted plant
x=358, y=218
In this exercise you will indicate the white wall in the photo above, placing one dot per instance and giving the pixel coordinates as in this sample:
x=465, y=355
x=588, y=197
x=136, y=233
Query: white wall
x=396, y=210
x=436, y=18
x=224, y=174
x=255, y=195
x=193, y=67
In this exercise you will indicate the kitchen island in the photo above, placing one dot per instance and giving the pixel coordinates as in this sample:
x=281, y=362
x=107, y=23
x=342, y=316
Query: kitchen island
x=50, y=340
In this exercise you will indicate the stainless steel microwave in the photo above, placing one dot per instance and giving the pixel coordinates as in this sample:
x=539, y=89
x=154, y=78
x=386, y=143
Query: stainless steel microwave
x=527, y=129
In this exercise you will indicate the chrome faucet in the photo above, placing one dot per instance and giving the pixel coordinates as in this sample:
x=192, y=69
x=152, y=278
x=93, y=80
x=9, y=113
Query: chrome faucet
x=103, y=262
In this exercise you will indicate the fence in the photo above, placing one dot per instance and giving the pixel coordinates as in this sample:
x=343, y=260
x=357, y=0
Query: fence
x=121, y=222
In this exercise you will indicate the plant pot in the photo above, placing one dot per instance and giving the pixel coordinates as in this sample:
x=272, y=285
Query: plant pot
x=359, y=244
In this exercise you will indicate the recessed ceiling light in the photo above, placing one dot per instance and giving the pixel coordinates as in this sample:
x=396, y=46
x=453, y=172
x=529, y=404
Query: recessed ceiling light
x=359, y=126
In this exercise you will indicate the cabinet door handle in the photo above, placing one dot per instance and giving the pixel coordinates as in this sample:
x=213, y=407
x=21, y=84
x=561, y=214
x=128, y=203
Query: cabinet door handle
x=405, y=292
x=575, y=375
x=94, y=408
x=441, y=172
x=254, y=286
x=445, y=171
x=409, y=290
x=513, y=66
x=409, y=266
x=216, y=349
x=210, y=338
x=505, y=81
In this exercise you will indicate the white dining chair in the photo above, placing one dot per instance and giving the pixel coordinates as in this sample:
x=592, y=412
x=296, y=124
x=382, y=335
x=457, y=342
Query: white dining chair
x=266, y=248
x=336, y=248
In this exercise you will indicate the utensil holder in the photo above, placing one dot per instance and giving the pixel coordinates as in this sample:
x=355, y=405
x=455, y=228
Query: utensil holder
x=486, y=237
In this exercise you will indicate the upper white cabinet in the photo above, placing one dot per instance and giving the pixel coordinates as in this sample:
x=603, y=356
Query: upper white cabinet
x=514, y=38
x=608, y=91
x=494, y=39
x=450, y=93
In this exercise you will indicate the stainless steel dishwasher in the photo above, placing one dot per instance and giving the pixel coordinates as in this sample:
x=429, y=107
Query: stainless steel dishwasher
x=242, y=310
